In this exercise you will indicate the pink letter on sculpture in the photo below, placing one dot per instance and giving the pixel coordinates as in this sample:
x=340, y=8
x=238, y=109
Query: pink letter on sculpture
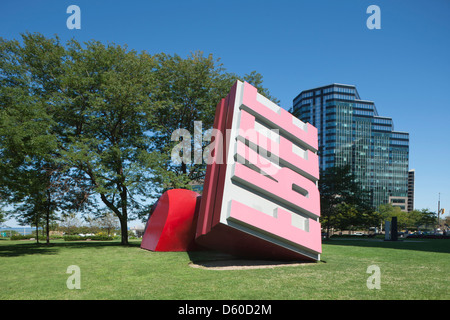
x=286, y=185
x=263, y=201
x=280, y=225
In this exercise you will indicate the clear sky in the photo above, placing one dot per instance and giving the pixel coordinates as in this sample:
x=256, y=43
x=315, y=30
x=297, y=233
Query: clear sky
x=404, y=67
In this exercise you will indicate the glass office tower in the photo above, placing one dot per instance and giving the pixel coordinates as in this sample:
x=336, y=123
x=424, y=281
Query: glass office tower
x=352, y=133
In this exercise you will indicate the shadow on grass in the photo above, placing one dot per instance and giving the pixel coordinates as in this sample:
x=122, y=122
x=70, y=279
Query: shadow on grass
x=25, y=247
x=428, y=245
x=21, y=249
x=214, y=260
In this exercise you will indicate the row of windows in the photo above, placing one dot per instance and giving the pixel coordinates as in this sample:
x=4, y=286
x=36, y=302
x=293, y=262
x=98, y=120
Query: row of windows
x=306, y=94
x=368, y=112
x=339, y=89
x=383, y=121
x=369, y=150
x=400, y=142
x=330, y=120
x=339, y=96
x=363, y=106
x=329, y=96
x=397, y=180
x=363, y=112
x=400, y=135
x=382, y=128
x=345, y=90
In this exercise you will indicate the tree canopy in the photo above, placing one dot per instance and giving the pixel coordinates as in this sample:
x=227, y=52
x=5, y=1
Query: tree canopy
x=413, y=220
x=344, y=204
x=88, y=126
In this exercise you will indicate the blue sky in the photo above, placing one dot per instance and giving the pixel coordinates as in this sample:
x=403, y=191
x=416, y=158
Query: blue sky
x=296, y=45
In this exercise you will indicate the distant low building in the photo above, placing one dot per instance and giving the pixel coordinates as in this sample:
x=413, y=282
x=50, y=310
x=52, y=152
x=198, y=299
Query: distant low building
x=401, y=202
x=138, y=231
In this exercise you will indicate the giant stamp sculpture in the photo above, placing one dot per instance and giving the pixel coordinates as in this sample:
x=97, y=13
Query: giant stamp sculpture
x=260, y=197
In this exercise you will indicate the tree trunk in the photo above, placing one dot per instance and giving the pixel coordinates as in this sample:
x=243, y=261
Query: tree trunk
x=124, y=231
x=37, y=232
x=47, y=220
x=328, y=225
x=47, y=229
x=123, y=216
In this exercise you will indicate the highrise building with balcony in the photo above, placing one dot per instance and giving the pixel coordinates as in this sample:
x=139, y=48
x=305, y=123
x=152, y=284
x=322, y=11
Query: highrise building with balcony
x=351, y=132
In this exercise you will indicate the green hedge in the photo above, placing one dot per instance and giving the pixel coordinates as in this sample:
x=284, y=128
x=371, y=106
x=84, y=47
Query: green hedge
x=29, y=236
x=22, y=237
x=81, y=238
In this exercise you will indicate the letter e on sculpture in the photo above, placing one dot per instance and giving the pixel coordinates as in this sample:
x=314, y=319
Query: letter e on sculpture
x=263, y=201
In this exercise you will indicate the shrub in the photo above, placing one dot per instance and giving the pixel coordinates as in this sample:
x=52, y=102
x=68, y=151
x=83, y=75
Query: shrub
x=22, y=237
x=73, y=238
x=101, y=237
x=98, y=237
x=428, y=236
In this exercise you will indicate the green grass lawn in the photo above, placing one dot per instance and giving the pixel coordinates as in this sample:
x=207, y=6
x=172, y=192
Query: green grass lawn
x=409, y=270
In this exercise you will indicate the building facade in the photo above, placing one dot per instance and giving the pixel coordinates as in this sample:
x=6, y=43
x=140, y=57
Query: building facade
x=351, y=132
x=411, y=179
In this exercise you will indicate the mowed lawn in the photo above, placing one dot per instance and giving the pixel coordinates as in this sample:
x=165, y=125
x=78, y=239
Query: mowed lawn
x=409, y=269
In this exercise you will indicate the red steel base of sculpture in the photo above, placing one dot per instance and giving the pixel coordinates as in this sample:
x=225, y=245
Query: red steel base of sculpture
x=172, y=224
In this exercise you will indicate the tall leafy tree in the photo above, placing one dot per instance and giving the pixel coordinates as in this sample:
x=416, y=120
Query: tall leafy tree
x=343, y=202
x=105, y=115
x=26, y=142
x=37, y=207
x=96, y=121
